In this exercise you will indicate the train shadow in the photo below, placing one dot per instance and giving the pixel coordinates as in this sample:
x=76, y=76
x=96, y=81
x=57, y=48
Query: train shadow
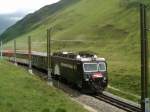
x=59, y=83
x=68, y=89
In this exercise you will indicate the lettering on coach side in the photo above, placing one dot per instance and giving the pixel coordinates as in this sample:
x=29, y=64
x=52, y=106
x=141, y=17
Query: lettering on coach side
x=67, y=65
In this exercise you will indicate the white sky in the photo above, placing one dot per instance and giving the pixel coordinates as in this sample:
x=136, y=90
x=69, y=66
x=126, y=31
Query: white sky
x=28, y=6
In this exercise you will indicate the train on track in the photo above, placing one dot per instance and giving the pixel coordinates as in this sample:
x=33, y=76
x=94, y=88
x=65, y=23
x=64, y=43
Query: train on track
x=85, y=70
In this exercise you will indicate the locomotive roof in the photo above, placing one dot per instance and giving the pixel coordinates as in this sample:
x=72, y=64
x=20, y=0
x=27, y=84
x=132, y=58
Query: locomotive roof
x=80, y=57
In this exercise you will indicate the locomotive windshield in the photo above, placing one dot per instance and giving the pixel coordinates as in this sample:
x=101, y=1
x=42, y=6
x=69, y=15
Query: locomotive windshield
x=102, y=66
x=94, y=67
x=90, y=67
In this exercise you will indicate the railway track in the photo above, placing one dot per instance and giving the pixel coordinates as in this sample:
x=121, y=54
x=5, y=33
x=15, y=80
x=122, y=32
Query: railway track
x=118, y=103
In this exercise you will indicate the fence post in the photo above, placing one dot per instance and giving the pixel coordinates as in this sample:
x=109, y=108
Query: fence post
x=29, y=55
x=1, y=50
x=15, y=62
x=49, y=56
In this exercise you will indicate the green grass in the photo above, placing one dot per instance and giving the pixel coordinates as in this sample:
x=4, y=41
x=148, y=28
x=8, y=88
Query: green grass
x=123, y=94
x=111, y=29
x=23, y=92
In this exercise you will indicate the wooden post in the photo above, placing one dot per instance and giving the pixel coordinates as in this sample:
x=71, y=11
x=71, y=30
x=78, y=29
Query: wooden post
x=49, y=56
x=29, y=55
x=15, y=62
x=1, y=49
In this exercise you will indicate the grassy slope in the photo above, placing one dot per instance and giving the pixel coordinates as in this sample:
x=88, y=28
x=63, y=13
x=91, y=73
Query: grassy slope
x=21, y=92
x=108, y=28
x=33, y=20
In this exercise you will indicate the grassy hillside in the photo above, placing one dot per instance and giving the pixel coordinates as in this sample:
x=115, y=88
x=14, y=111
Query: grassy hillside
x=109, y=28
x=22, y=92
x=32, y=21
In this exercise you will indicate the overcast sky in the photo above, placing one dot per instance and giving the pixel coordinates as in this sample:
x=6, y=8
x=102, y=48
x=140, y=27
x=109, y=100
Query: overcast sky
x=13, y=10
x=28, y=6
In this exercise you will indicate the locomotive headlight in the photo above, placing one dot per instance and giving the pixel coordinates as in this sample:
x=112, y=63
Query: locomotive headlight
x=104, y=79
x=86, y=79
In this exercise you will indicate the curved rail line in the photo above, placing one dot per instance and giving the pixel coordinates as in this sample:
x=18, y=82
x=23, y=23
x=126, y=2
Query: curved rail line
x=118, y=103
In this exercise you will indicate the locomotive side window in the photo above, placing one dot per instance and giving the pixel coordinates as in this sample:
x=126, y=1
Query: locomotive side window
x=102, y=66
x=90, y=67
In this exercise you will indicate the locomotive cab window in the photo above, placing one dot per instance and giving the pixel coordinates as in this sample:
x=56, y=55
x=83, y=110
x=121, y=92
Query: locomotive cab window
x=102, y=66
x=90, y=67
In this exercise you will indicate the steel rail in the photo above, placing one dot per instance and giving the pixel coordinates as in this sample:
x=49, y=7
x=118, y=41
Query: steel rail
x=118, y=103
